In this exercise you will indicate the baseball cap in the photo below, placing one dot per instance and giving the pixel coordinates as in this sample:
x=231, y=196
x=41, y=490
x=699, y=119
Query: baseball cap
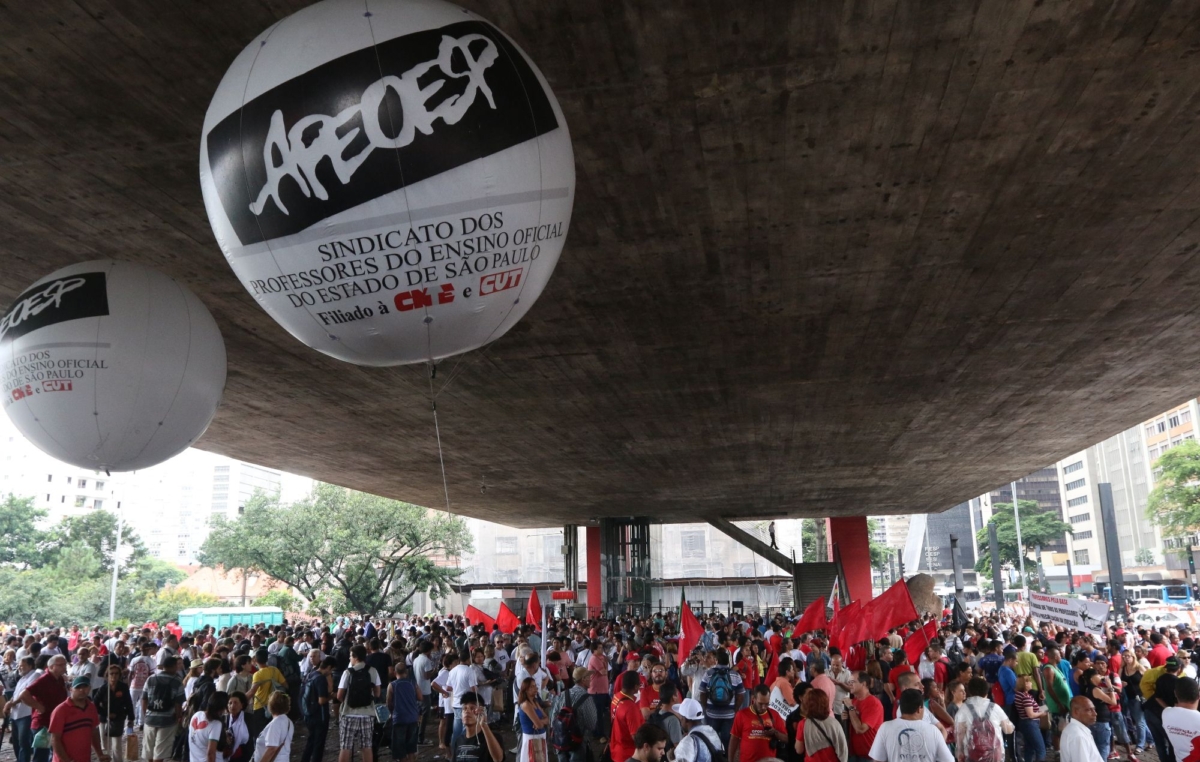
x=1172, y=663
x=689, y=709
x=81, y=682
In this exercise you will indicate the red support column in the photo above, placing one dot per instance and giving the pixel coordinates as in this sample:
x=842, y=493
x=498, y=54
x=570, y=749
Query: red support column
x=850, y=534
x=594, y=598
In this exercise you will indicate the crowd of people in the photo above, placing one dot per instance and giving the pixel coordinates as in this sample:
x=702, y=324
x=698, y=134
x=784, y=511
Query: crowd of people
x=989, y=688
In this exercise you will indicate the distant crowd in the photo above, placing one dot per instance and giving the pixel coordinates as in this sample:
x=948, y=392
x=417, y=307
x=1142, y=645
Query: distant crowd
x=985, y=689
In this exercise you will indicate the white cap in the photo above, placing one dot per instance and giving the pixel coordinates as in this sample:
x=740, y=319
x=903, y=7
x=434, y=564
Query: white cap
x=689, y=709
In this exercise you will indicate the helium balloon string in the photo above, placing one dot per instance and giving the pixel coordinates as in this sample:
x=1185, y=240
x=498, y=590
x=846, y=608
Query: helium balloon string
x=438, y=433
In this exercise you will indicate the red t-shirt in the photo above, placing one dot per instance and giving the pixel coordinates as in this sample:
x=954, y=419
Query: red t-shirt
x=870, y=712
x=50, y=692
x=648, y=698
x=626, y=719
x=1158, y=655
x=754, y=730
x=894, y=677
x=74, y=726
x=941, y=670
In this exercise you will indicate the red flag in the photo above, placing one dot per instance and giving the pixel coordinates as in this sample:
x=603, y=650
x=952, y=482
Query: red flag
x=507, y=619
x=841, y=621
x=892, y=609
x=857, y=629
x=475, y=616
x=772, y=666
x=919, y=641
x=690, y=630
x=533, y=611
x=813, y=618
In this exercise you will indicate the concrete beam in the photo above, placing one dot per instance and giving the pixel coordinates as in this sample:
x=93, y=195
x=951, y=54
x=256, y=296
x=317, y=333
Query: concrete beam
x=753, y=543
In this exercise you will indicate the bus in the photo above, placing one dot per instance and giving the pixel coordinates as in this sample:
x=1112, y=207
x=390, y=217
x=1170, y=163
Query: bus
x=1158, y=592
x=970, y=598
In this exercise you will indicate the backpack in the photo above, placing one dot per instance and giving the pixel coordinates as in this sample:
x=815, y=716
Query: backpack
x=720, y=687
x=359, y=692
x=202, y=690
x=565, y=735
x=161, y=696
x=983, y=742
x=659, y=720
x=714, y=754
x=310, y=700
x=287, y=665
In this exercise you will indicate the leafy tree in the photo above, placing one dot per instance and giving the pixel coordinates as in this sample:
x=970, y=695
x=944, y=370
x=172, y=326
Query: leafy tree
x=375, y=552
x=165, y=605
x=880, y=552
x=18, y=527
x=1144, y=557
x=98, y=531
x=281, y=598
x=1037, y=528
x=1174, y=503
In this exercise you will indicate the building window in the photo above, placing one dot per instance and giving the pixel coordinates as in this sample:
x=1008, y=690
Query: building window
x=79, y=501
x=49, y=477
x=68, y=480
x=693, y=543
x=1185, y=416
x=99, y=486
x=1073, y=467
x=1076, y=484
x=98, y=505
x=1081, y=557
x=220, y=478
x=1087, y=535
x=1149, y=429
x=1077, y=501
x=221, y=469
x=1079, y=518
x=1160, y=426
x=506, y=546
x=1153, y=453
x=1173, y=421
x=83, y=484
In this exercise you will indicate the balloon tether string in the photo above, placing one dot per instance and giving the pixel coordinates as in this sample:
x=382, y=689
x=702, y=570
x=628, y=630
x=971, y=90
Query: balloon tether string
x=441, y=457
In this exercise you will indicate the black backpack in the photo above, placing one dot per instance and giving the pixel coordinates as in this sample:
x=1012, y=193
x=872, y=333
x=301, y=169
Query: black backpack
x=714, y=754
x=565, y=735
x=359, y=692
x=202, y=690
x=310, y=701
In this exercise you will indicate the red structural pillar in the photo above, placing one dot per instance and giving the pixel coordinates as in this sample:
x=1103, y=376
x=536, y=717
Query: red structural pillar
x=594, y=598
x=850, y=534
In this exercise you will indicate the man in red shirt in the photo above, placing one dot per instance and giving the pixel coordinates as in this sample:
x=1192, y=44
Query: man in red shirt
x=75, y=726
x=626, y=717
x=755, y=727
x=1159, y=653
x=648, y=699
x=43, y=696
x=900, y=666
x=865, y=715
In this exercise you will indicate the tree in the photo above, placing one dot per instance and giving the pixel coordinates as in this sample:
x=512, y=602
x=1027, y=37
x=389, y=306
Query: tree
x=281, y=598
x=1144, y=557
x=1174, y=503
x=18, y=527
x=880, y=552
x=98, y=531
x=375, y=552
x=1037, y=528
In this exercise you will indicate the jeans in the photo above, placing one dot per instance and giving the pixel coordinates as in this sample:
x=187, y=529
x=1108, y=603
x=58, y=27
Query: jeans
x=318, y=732
x=22, y=738
x=1102, y=732
x=1133, y=710
x=459, y=730
x=723, y=727
x=428, y=709
x=603, y=713
x=1035, y=745
x=1153, y=717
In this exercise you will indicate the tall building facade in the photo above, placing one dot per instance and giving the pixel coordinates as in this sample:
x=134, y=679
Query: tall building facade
x=1043, y=487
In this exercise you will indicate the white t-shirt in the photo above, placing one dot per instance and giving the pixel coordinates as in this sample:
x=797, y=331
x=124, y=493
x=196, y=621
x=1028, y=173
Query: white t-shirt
x=1182, y=727
x=277, y=733
x=461, y=680
x=443, y=701
x=909, y=741
x=502, y=658
x=201, y=731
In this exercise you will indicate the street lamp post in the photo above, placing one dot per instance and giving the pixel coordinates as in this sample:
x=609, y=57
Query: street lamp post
x=1020, y=546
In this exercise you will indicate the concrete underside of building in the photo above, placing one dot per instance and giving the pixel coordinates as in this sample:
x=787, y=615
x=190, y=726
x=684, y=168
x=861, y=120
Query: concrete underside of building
x=826, y=259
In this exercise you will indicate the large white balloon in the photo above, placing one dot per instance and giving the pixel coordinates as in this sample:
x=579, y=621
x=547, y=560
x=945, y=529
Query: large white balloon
x=392, y=185
x=110, y=365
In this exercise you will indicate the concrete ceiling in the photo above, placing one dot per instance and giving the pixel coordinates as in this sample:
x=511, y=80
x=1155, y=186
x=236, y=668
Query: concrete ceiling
x=827, y=258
